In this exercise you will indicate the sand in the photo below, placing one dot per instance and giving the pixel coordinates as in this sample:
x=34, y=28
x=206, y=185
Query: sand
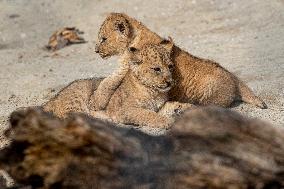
x=245, y=37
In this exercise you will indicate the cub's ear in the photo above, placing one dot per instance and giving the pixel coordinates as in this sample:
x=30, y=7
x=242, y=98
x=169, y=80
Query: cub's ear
x=133, y=58
x=122, y=26
x=168, y=44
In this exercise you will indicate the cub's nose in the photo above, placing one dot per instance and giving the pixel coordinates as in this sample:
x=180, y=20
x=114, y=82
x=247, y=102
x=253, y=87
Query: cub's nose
x=168, y=83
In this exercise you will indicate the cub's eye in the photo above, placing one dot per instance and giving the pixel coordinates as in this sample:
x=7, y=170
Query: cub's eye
x=157, y=69
x=103, y=39
x=171, y=67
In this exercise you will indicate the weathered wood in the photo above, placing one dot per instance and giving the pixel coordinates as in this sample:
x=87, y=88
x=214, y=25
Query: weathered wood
x=207, y=148
x=2, y=182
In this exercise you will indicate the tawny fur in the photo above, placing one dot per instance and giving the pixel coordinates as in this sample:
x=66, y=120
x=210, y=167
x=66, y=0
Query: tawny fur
x=73, y=98
x=117, y=43
x=147, y=106
x=144, y=89
x=199, y=81
x=100, y=98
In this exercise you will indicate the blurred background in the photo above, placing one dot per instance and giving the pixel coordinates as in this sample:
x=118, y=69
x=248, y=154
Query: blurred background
x=246, y=37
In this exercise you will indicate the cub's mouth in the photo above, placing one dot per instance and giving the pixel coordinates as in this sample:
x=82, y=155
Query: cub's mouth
x=104, y=56
x=165, y=88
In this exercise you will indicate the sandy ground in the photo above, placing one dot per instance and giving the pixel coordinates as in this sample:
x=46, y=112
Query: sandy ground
x=246, y=37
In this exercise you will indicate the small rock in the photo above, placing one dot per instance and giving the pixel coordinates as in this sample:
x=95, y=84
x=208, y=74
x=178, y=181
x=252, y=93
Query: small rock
x=20, y=56
x=12, y=16
x=12, y=97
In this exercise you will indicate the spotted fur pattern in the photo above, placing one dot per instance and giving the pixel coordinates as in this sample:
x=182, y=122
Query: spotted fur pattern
x=144, y=89
x=199, y=81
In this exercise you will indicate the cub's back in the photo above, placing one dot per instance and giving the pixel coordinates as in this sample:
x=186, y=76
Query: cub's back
x=72, y=98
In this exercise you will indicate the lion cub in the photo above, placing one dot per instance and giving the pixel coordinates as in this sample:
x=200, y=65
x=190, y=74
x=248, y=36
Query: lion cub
x=143, y=91
x=198, y=81
x=138, y=100
x=72, y=98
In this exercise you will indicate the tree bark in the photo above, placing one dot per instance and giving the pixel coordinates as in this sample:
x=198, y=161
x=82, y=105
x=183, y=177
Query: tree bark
x=206, y=148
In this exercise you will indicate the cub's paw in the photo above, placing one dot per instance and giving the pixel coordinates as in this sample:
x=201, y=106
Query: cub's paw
x=174, y=109
x=181, y=108
x=96, y=104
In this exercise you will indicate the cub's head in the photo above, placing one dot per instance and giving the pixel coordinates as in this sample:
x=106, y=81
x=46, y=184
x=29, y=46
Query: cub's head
x=152, y=66
x=114, y=35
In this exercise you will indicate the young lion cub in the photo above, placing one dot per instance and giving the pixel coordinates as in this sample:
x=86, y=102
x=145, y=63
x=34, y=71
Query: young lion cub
x=143, y=91
x=141, y=98
x=198, y=81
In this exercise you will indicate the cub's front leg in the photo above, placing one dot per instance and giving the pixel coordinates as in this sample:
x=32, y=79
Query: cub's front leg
x=100, y=115
x=144, y=117
x=100, y=98
x=173, y=109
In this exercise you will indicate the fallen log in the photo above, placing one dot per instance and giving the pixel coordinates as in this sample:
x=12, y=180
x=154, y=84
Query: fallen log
x=206, y=148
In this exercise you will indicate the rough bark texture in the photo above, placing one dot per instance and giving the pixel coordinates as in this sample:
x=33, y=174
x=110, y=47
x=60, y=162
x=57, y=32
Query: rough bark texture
x=2, y=182
x=206, y=148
